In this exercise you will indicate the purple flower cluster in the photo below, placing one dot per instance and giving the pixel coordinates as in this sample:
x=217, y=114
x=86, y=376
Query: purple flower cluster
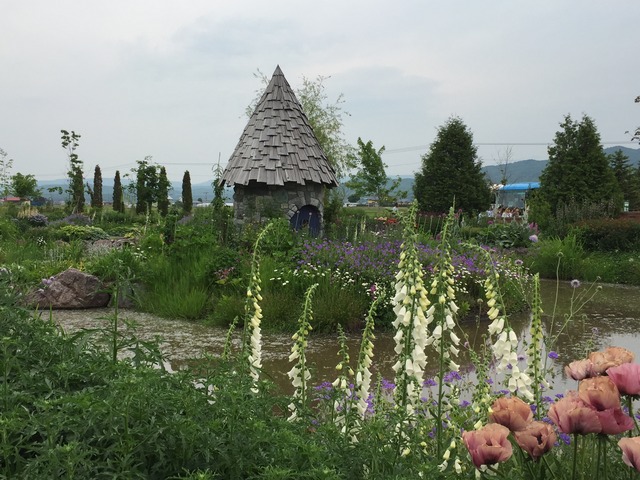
x=377, y=261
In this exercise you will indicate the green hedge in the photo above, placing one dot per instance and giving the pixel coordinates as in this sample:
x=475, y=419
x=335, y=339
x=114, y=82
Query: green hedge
x=608, y=235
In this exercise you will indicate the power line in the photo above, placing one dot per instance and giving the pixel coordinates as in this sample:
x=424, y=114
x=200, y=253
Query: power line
x=501, y=144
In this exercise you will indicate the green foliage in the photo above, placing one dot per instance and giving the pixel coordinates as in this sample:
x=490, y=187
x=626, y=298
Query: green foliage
x=505, y=235
x=80, y=232
x=118, y=201
x=95, y=193
x=175, y=288
x=578, y=169
x=70, y=142
x=279, y=240
x=163, y=193
x=25, y=186
x=609, y=235
x=558, y=258
x=5, y=173
x=187, y=196
x=627, y=179
x=325, y=118
x=146, y=186
x=451, y=173
x=371, y=177
x=38, y=220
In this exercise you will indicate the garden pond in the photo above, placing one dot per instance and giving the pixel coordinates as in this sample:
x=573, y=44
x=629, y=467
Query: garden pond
x=611, y=318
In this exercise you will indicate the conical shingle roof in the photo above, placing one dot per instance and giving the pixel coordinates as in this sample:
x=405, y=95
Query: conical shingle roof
x=278, y=145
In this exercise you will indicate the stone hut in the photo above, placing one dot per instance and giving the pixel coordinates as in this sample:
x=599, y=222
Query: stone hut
x=278, y=166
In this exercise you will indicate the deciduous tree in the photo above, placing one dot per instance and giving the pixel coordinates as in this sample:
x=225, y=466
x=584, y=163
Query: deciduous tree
x=325, y=117
x=371, y=177
x=146, y=185
x=25, y=186
x=451, y=172
x=5, y=173
x=70, y=142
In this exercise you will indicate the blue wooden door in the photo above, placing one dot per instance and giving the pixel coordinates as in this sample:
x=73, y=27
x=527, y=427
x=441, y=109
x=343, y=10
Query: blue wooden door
x=308, y=217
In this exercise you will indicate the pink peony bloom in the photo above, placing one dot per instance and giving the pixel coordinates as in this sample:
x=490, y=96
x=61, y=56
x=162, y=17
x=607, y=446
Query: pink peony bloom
x=488, y=445
x=630, y=451
x=536, y=439
x=626, y=377
x=511, y=412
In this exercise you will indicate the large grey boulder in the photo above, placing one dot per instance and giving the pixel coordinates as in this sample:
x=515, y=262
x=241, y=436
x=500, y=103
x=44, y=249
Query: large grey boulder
x=70, y=289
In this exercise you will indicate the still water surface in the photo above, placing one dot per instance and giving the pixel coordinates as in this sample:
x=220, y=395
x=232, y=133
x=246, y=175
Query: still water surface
x=612, y=317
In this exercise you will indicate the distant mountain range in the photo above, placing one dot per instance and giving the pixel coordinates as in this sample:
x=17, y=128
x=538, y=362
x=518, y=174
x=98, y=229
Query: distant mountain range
x=530, y=170
x=515, y=172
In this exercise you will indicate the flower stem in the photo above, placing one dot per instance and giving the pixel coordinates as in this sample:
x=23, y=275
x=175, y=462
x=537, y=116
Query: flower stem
x=575, y=456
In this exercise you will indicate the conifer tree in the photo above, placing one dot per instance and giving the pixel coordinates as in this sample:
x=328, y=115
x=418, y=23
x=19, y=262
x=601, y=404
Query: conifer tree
x=118, y=202
x=626, y=177
x=163, y=192
x=96, y=191
x=452, y=173
x=187, y=197
x=578, y=169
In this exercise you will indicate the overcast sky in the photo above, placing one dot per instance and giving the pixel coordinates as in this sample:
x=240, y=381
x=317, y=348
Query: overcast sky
x=172, y=79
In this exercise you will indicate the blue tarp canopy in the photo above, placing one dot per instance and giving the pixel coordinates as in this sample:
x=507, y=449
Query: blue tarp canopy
x=521, y=186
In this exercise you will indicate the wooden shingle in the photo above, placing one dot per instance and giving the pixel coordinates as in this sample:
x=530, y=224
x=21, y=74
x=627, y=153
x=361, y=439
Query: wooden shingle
x=278, y=143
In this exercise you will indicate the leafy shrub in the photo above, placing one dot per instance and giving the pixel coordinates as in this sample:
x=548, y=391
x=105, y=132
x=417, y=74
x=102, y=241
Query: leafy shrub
x=38, y=220
x=279, y=239
x=558, y=258
x=223, y=265
x=79, y=232
x=606, y=234
x=76, y=219
x=8, y=228
x=507, y=235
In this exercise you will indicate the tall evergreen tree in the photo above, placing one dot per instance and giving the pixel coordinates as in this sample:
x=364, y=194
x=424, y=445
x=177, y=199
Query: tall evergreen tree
x=163, y=192
x=626, y=177
x=187, y=196
x=118, y=201
x=452, y=173
x=70, y=142
x=578, y=169
x=96, y=192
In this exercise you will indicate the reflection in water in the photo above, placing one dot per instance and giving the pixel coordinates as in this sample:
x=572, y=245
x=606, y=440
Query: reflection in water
x=611, y=318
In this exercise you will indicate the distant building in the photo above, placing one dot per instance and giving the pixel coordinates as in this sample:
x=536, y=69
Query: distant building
x=11, y=200
x=278, y=166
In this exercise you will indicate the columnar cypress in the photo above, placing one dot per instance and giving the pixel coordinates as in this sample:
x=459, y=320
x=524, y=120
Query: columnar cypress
x=163, y=193
x=187, y=197
x=96, y=198
x=118, y=202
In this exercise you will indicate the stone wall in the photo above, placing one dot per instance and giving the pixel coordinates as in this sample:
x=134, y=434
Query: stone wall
x=257, y=202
